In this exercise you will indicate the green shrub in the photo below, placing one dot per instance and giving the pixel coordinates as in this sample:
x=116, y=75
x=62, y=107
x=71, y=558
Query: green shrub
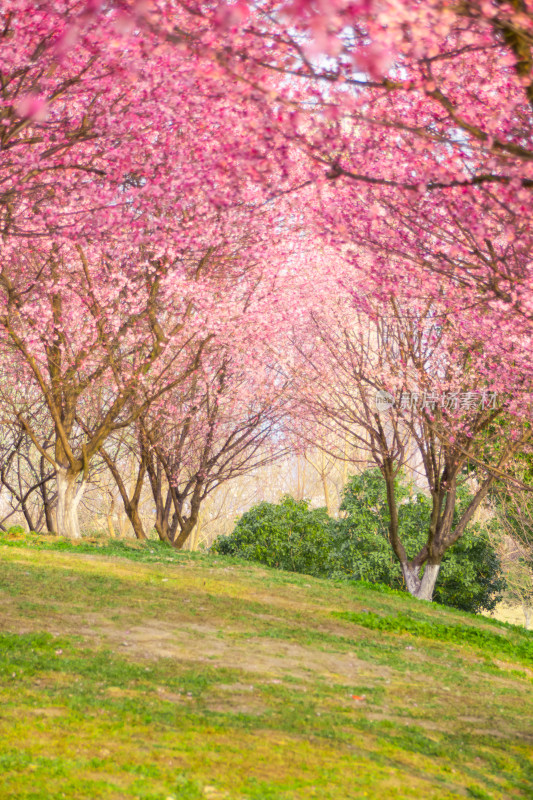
x=13, y=529
x=288, y=535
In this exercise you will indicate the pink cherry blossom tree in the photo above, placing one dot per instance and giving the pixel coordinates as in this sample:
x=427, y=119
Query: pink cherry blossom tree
x=394, y=380
x=128, y=242
x=226, y=426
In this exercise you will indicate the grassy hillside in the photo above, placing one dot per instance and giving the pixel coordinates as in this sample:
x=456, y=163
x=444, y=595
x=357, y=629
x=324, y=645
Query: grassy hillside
x=131, y=672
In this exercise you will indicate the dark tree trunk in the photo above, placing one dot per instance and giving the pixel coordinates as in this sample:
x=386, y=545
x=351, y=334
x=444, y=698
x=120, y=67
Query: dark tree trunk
x=131, y=504
x=48, y=502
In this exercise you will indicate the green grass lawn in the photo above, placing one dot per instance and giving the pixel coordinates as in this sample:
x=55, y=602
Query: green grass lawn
x=138, y=672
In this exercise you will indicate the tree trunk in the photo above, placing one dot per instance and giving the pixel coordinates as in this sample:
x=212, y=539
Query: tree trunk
x=161, y=528
x=427, y=584
x=300, y=478
x=187, y=524
x=27, y=516
x=184, y=534
x=131, y=504
x=422, y=588
x=47, y=501
x=165, y=530
x=69, y=494
x=326, y=493
x=122, y=525
x=109, y=519
x=410, y=576
x=162, y=504
x=136, y=522
x=192, y=542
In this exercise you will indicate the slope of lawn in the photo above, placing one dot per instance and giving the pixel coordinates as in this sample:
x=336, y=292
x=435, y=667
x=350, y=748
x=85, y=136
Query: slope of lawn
x=131, y=671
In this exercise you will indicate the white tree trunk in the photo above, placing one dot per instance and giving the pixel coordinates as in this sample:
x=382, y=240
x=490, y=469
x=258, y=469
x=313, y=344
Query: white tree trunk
x=410, y=576
x=69, y=494
x=429, y=579
x=421, y=588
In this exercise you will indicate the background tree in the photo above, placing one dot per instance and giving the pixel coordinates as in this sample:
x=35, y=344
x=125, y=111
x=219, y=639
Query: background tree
x=25, y=479
x=225, y=426
x=436, y=411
